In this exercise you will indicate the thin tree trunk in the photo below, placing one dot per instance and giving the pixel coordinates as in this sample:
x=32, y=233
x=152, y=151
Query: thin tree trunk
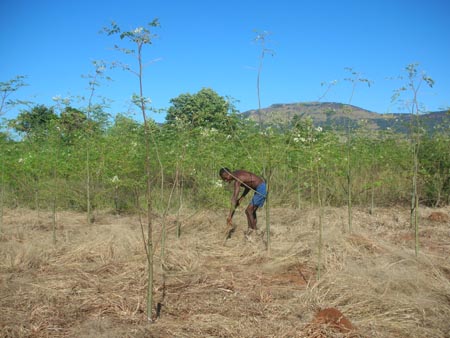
x=320, y=240
x=55, y=192
x=36, y=200
x=416, y=198
x=349, y=180
x=88, y=186
x=299, y=195
x=268, y=216
x=266, y=171
x=148, y=193
x=372, y=190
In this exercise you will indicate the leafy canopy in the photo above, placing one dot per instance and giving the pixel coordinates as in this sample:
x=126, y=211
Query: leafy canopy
x=205, y=109
x=34, y=121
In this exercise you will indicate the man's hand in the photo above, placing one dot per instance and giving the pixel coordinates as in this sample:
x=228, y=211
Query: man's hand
x=230, y=228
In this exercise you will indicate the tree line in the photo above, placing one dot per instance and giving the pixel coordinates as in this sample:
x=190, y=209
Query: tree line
x=202, y=133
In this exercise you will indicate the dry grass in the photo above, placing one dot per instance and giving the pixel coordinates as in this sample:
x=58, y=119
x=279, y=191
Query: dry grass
x=92, y=282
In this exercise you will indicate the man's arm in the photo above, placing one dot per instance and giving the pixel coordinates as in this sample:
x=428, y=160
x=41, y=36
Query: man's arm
x=234, y=200
x=246, y=190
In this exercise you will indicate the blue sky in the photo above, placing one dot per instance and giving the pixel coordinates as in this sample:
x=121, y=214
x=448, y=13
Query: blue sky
x=211, y=44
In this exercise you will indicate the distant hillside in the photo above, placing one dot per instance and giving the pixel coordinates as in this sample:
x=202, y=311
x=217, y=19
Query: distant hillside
x=332, y=114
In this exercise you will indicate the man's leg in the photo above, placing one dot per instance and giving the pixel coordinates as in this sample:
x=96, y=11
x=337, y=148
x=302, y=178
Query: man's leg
x=251, y=216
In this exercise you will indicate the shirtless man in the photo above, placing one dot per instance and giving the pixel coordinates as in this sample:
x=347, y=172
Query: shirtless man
x=248, y=181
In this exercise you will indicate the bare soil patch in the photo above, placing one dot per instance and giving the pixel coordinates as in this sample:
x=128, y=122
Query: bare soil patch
x=92, y=282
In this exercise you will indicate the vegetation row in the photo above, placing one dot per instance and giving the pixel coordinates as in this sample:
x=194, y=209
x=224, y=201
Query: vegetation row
x=60, y=152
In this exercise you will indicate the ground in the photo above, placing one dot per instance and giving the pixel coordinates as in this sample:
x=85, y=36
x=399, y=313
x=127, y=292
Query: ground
x=91, y=282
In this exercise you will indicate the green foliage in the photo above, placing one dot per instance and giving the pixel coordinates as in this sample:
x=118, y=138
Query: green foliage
x=204, y=109
x=35, y=121
x=435, y=168
x=380, y=161
x=202, y=134
x=72, y=123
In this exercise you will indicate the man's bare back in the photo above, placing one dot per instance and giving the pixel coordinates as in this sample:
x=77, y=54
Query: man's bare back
x=247, y=178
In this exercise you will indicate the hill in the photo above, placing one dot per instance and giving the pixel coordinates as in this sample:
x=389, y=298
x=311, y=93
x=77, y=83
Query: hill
x=333, y=114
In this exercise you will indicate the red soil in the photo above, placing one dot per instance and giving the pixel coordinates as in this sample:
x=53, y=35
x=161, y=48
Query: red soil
x=333, y=318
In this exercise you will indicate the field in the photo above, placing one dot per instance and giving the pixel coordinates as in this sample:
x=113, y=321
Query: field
x=92, y=282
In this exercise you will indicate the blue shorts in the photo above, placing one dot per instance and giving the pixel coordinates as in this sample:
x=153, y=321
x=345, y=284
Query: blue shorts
x=260, y=196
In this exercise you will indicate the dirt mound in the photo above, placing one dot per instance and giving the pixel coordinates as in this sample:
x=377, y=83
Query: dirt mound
x=439, y=216
x=333, y=318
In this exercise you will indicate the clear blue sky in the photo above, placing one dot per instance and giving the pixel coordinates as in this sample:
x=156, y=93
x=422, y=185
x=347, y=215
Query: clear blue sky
x=211, y=44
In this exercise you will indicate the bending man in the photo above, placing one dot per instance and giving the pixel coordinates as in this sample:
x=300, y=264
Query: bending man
x=248, y=181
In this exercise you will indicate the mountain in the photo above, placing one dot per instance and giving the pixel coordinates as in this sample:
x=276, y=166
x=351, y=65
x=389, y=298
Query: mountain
x=332, y=114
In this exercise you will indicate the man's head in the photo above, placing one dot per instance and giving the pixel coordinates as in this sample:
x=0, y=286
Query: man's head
x=225, y=174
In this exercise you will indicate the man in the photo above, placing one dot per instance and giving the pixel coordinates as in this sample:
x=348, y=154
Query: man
x=248, y=181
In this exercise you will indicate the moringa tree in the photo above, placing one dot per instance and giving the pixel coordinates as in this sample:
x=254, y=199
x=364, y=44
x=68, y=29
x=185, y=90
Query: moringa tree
x=414, y=82
x=355, y=78
x=7, y=89
x=94, y=81
x=139, y=38
x=261, y=39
